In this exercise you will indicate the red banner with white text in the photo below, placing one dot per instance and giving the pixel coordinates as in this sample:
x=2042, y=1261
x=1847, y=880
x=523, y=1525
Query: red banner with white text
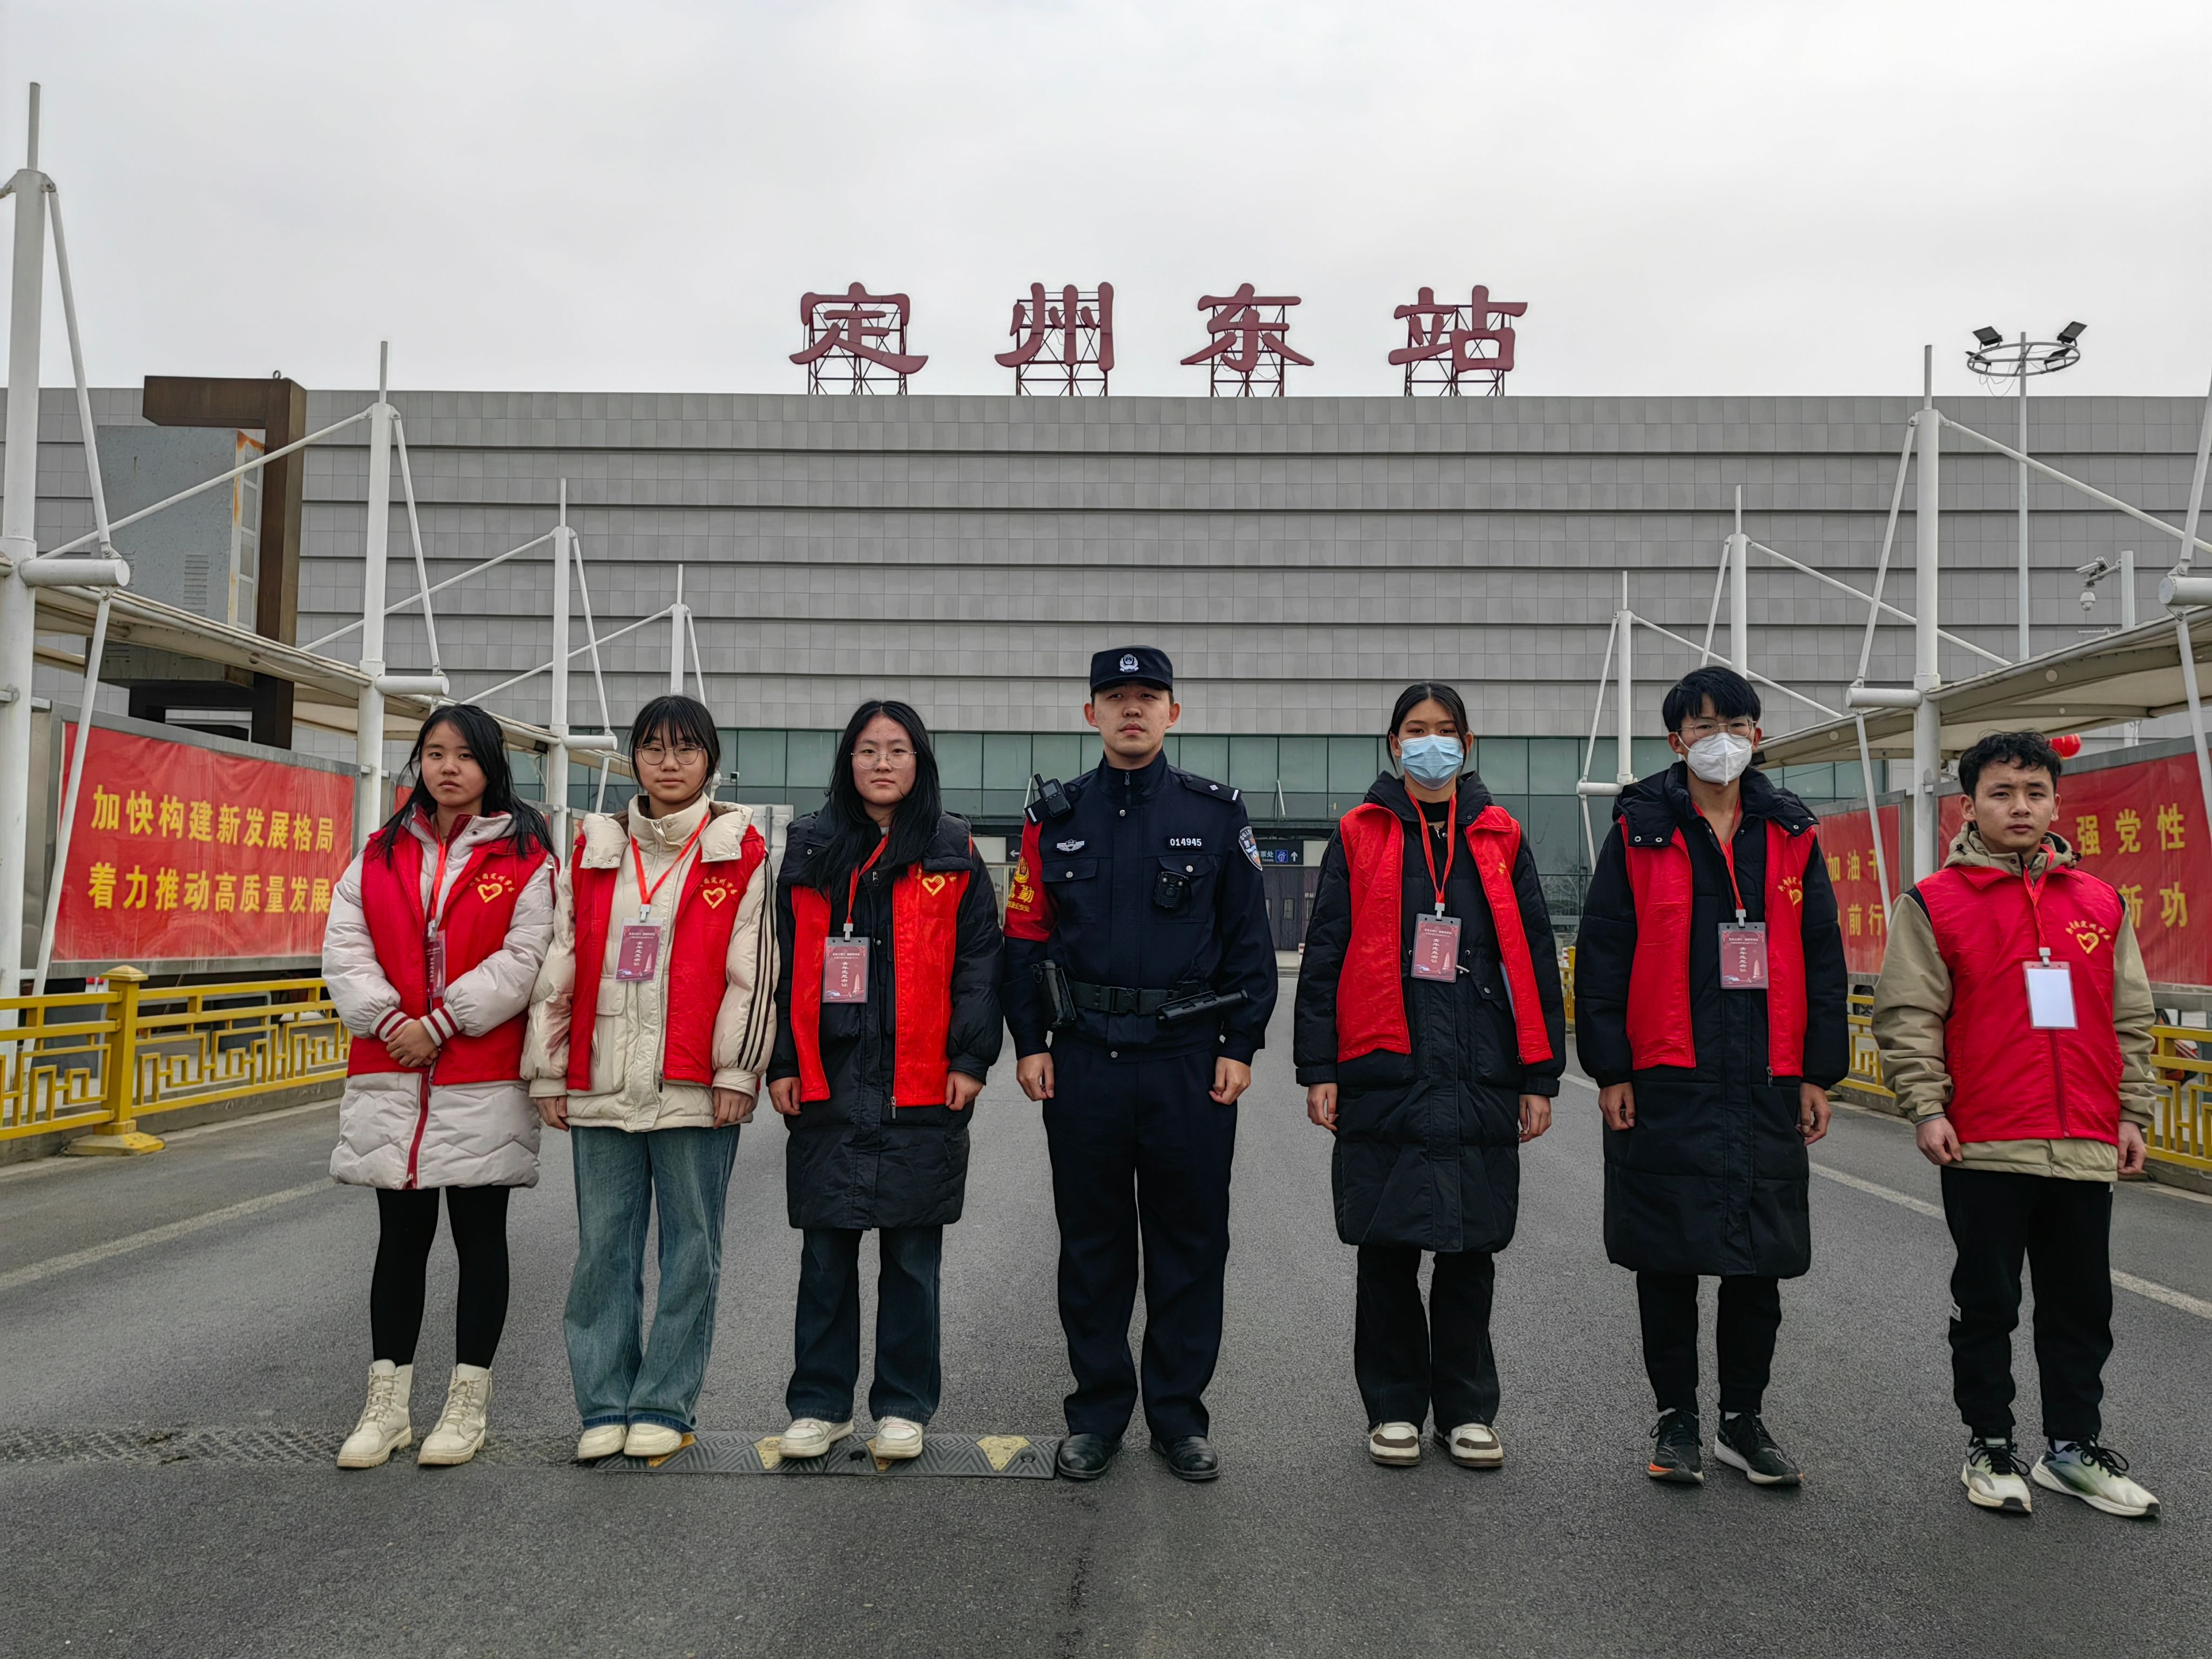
x=181, y=854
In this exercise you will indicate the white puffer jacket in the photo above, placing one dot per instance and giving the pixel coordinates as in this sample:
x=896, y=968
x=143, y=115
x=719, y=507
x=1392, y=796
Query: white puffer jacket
x=474, y=1134
x=627, y=1092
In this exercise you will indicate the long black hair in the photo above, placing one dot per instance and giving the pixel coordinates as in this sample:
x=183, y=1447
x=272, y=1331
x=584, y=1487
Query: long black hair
x=481, y=733
x=853, y=834
x=673, y=718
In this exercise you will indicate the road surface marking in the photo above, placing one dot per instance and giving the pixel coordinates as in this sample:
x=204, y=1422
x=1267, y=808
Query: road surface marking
x=129, y=1242
x=2143, y=1287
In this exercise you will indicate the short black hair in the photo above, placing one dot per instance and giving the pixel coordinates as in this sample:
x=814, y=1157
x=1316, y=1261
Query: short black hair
x=2029, y=750
x=675, y=719
x=1733, y=697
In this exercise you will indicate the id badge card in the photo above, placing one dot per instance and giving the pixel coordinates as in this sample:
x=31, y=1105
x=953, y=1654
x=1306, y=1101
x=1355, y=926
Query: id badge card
x=1436, y=947
x=1743, y=956
x=434, y=949
x=639, y=956
x=844, y=971
x=2050, y=995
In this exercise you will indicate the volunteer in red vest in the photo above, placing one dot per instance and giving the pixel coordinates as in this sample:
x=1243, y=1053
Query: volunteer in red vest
x=436, y=936
x=2014, y=1017
x=887, y=1003
x=1431, y=1034
x=1711, y=1010
x=651, y=1022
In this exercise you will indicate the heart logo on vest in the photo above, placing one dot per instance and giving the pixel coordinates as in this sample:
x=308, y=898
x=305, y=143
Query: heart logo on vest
x=933, y=886
x=712, y=897
x=1795, y=888
x=2086, y=934
x=490, y=888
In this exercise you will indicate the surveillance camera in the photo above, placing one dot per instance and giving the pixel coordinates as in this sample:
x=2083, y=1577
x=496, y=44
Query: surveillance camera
x=2093, y=569
x=2088, y=600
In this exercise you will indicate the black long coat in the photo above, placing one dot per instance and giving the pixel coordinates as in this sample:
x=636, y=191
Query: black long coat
x=1428, y=1144
x=850, y=1160
x=1712, y=1177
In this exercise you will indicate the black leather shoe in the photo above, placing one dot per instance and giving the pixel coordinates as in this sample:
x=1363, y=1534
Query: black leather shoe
x=1085, y=1456
x=1190, y=1457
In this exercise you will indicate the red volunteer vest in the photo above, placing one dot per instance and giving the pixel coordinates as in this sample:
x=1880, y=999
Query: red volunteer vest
x=2009, y=1080
x=705, y=913
x=1370, y=994
x=925, y=938
x=1659, y=1031
x=475, y=925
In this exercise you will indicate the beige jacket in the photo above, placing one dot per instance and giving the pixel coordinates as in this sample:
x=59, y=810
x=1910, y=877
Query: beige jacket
x=627, y=1092
x=1912, y=1000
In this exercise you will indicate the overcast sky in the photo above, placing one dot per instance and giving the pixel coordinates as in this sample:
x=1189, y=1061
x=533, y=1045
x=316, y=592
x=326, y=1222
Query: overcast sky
x=1692, y=197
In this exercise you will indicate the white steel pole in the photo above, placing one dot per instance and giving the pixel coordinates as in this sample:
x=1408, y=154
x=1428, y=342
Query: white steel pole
x=556, y=754
x=1625, y=622
x=678, y=614
x=1926, y=718
x=2131, y=731
x=2027, y=650
x=368, y=731
x=1740, y=592
x=18, y=543
x=2188, y=650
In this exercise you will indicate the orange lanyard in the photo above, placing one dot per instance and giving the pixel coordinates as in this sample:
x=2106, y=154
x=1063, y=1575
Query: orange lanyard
x=2035, y=904
x=438, y=881
x=852, y=887
x=1727, y=857
x=1451, y=847
x=646, y=894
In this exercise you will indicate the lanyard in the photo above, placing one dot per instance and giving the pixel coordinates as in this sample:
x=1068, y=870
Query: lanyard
x=2035, y=903
x=1451, y=847
x=438, y=881
x=1727, y=857
x=852, y=887
x=646, y=894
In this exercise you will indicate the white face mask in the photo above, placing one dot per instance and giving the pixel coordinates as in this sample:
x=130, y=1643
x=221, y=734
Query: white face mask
x=1720, y=758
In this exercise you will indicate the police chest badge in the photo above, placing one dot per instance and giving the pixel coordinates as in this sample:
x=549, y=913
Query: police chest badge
x=1251, y=847
x=1070, y=846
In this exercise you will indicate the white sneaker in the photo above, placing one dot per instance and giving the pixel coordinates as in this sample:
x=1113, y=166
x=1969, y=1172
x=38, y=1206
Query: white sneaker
x=2096, y=1475
x=460, y=1428
x=651, y=1440
x=1396, y=1445
x=1991, y=1478
x=385, y=1427
x=1476, y=1446
x=601, y=1440
x=897, y=1440
x=810, y=1437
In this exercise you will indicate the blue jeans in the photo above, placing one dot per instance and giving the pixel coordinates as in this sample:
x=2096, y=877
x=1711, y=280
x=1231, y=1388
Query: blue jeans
x=620, y=1177
x=827, y=1348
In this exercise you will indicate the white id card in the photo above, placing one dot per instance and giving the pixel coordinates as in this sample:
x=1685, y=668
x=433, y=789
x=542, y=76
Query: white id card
x=639, y=958
x=1743, y=956
x=2050, y=995
x=1436, y=947
x=844, y=971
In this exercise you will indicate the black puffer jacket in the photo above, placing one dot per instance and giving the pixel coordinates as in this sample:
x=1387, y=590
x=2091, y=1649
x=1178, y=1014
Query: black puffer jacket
x=1428, y=1144
x=851, y=1160
x=1712, y=1176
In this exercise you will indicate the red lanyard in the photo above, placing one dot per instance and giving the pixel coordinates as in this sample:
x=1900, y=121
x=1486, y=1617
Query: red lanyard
x=1727, y=857
x=852, y=887
x=438, y=881
x=646, y=894
x=2035, y=903
x=1451, y=847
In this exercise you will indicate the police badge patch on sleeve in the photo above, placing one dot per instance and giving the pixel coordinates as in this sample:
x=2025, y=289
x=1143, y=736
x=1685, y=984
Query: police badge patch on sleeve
x=1251, y=847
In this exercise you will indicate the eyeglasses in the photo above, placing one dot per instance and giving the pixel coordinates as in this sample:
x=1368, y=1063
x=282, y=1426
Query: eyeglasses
x=895, y=754
x=655, y=753
x=1742, y=726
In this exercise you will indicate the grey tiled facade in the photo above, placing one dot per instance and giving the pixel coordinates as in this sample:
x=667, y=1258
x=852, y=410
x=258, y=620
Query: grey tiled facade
x=1300, y=558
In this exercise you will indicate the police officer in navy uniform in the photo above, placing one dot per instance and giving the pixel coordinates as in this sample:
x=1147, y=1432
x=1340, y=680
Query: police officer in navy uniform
x=1137, y=936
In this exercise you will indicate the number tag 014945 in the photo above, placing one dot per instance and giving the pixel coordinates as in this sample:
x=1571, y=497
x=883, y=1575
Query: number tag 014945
x=844, y=971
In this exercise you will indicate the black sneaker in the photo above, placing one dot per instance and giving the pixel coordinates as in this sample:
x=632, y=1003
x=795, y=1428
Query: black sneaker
x=1743, y=1443
x=1675, y=1453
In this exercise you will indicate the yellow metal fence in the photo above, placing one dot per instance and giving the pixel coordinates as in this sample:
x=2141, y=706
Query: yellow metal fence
x=101, y=1060
x=2182, y=1055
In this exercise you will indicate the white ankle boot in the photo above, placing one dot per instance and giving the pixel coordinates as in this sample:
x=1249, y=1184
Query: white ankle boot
x=460, y=1430
x=384, y=1427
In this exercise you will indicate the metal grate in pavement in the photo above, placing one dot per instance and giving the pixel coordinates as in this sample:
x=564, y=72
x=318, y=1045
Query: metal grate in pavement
x=990, y=1456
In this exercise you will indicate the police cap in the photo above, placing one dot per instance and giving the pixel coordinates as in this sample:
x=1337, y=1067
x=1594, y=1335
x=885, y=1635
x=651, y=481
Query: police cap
x=1138, y=663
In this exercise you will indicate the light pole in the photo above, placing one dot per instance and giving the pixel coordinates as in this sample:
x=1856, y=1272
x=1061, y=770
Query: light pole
x=1996, y=358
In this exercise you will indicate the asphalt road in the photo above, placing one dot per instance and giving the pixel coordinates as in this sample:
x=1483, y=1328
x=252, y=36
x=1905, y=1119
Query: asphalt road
x=247, y=1311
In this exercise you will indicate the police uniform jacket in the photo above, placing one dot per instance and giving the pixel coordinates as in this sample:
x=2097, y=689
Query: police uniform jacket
x=1153, y=881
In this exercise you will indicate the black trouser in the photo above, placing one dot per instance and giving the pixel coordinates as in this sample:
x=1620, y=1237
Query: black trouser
x=1407, y=1362
x=1139, y=1151
x=408, y=1227
x=2064, y=1230
x=826, y=1346
x=1743, y=1334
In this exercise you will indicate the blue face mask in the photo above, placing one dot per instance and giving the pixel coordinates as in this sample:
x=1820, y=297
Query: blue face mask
x=1431, y=762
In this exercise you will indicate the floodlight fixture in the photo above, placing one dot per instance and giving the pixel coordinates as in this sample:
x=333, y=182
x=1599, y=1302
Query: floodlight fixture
x=1987, y=337
x=2070, y=333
